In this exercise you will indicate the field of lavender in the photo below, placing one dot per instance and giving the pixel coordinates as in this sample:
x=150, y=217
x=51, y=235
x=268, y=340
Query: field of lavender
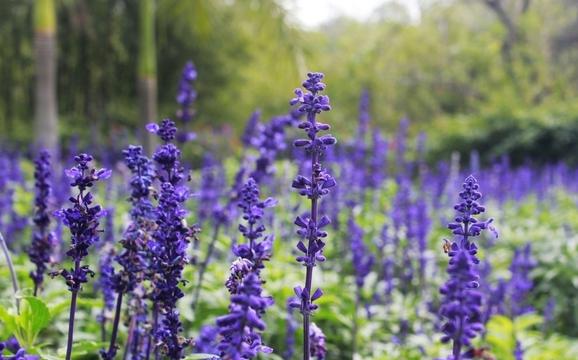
x=359, y=243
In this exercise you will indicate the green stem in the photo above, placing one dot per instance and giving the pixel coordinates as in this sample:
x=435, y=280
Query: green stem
x=12, y=272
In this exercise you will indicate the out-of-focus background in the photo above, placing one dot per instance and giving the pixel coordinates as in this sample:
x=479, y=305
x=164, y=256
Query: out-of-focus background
x=423, y=94
x=496, y=75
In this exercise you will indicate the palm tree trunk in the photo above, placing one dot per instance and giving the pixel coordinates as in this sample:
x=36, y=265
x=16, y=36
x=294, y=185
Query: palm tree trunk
x=46, y=120
x=147, y=69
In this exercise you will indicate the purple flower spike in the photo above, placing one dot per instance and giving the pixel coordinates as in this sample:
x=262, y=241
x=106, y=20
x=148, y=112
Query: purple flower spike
x=186, y=93
x=82, y=218
x=43, y=240
x=314, y=186
x=168, y=247
x=461, y=304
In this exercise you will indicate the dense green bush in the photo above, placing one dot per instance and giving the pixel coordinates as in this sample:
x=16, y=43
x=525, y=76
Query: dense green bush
x=543, y=136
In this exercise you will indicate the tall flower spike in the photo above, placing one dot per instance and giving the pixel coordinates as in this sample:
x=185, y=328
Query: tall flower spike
x=186, y=96
x=82, y=218
x=43, y=239
x=168, y=247
x=520, y=283
x=461, y=304
x=314, y=186
x=240, y=329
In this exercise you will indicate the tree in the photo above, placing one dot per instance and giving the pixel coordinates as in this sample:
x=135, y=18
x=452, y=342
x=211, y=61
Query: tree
x=46, y=120
x=147, y=68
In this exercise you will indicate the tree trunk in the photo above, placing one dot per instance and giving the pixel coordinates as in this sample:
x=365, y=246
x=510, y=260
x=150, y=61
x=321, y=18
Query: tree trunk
x=46, y=120
x=147, y=70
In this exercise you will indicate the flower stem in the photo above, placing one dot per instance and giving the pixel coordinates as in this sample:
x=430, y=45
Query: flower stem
x=151, y=336
x=112, y=347
x=204, y=265
x=12, y=271
x=311, y=255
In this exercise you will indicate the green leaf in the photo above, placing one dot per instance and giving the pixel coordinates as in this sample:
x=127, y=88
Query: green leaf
x=34, y=316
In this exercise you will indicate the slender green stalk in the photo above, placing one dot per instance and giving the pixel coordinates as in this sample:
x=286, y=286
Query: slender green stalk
x=12, y=272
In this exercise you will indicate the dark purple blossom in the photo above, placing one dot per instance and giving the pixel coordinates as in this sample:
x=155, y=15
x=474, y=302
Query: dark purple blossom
x=211, y=190
x=82, y=218
x=168, y=247
x=317, y=342
x=520, y=283
x=241, y=329
x=269, y=140
x=18, y=353
x=186, y=96
x=206, y=342
x=362, y=259
x=252, y=130
x=43, y=239
x=461, y=305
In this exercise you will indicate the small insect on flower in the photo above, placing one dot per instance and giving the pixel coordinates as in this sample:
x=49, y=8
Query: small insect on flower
x=482, y=353
x=446, y=246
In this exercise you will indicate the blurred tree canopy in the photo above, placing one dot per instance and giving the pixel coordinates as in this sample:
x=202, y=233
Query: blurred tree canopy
x=457, y=62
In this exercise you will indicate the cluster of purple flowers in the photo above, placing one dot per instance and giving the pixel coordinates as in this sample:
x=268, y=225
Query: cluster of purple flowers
x=82, y=218
x=168, y=246
x=462, y=302
x=133, y=258
x=269, y=140
x=240, y=329
x=43, y=239
x=18, y=353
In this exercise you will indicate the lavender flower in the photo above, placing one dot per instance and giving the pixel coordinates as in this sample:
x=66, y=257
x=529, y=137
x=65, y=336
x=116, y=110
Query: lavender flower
x=252, y=130
x=211, y=188
x=241, y=340
x=270, y=141
x=520, y=283
x=362, y=258
x=186, y=96
x=253, y=210
x=378, y=160
x=206, y=342
x=461, y=306
x=168, y=247
x=317, y=342
x=43, y=239
x=18, y=352
x=313, y=187
x=241, y=328
x=132, y=258
x=82, y=218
